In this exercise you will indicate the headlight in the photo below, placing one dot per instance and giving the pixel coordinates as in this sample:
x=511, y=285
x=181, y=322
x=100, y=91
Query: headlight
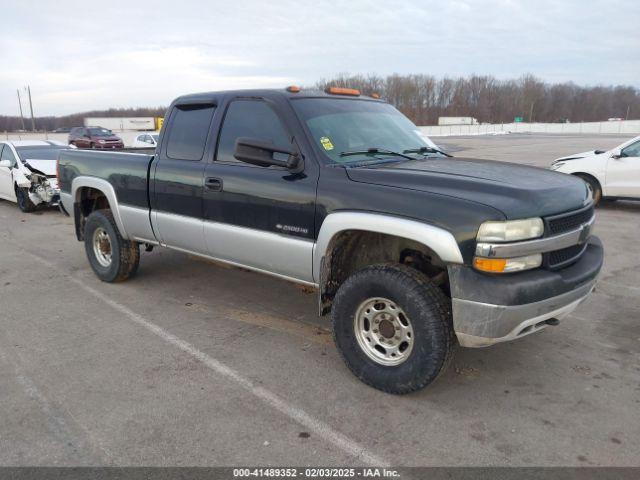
x=100, y=141
x=556, y=165
x=511, y=231
x=506, y=265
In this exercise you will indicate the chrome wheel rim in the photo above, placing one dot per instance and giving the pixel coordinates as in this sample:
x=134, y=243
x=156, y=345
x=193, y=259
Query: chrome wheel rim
x=102, y=247
x=383, y=331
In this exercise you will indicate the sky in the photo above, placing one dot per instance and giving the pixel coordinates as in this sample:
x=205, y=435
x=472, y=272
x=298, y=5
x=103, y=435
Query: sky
x=85, y=55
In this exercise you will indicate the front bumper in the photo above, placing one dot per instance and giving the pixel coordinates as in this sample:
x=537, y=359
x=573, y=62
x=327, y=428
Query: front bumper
x=489, y=309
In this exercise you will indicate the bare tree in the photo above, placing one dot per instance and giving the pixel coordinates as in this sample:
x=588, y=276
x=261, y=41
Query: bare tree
x=424, y=98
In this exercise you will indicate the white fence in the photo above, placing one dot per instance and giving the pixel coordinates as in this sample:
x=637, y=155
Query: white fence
x=625, y=127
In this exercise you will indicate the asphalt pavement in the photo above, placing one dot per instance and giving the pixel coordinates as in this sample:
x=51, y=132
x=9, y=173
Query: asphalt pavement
x=194, y=363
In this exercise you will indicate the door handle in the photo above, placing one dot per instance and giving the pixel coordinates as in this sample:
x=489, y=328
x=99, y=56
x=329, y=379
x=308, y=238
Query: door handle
x=214, y=184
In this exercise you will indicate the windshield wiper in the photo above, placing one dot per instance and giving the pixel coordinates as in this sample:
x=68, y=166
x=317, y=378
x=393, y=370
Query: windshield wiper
x=376, y=151
x=427, y=150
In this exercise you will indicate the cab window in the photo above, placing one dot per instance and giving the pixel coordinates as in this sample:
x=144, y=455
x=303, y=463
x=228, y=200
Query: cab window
x=189, y=129
x=250, y=118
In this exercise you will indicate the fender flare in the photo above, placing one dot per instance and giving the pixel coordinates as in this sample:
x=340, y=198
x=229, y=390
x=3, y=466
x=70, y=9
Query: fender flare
x=106, y=188
x=437, y=239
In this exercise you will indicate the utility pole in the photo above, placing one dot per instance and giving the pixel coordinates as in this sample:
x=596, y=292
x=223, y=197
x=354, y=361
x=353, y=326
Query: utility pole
x=531, y=113
x=33, y=120
x=20, y=104
x=628, y=108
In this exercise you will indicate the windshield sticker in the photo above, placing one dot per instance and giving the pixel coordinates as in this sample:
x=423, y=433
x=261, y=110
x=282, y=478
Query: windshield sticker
x=326, y=143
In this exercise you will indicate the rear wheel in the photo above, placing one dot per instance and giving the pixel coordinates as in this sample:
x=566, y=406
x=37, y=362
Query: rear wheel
x=393, y=328
x=24, y=202
x=112, y=258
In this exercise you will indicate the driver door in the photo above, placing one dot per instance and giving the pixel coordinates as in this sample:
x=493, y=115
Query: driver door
x=623, y=173
x=6, y=177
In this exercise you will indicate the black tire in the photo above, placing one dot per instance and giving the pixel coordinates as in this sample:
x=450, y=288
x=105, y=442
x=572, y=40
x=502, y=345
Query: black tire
x=429, y=313
x=92, y=145
x=594, y=187
x=124, y=255
x=24, y=202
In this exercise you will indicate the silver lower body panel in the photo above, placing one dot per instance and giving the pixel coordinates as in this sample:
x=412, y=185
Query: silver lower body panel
x=482, y=324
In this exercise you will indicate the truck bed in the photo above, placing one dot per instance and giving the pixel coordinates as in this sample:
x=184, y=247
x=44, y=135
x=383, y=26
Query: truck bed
x=127, y=172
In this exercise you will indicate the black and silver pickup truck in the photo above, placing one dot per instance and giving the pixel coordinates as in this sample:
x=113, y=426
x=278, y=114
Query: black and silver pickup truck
x=411, y=252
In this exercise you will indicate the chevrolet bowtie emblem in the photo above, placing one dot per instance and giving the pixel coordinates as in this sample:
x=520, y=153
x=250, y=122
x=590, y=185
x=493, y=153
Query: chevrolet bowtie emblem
x=584, y=233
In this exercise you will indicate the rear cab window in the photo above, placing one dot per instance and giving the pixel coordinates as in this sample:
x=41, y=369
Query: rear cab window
x=190, y=126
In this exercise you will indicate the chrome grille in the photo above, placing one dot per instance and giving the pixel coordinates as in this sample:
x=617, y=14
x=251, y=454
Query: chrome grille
x=562, y=223
x=566, y=222
x=566, y=256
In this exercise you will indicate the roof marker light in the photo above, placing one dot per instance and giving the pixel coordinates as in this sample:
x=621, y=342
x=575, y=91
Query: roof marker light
x=293, y=88
x=343, y=91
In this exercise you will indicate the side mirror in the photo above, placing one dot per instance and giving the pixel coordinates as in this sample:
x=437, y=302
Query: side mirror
x=260, y=153
x=617, y=154
x=5, y=163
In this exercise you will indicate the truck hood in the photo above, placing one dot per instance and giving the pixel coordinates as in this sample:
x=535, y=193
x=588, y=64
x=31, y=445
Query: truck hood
x=518, y=191
x=46, y=167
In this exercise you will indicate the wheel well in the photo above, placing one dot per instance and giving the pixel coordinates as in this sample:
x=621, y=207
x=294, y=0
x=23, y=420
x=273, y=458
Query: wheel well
x=352, y=250
x=589, y=176
x=87, y=201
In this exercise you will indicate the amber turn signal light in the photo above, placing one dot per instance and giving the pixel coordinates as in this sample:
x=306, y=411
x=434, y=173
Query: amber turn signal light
x=495, y=265
x=343, y=91
x=293, y=88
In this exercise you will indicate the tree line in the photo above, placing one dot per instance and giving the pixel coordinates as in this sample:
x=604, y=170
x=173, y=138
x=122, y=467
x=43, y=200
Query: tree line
x=424, y=98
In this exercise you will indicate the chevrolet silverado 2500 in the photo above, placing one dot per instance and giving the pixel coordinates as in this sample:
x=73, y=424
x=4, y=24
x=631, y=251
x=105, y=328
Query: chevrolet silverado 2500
x=411, y=252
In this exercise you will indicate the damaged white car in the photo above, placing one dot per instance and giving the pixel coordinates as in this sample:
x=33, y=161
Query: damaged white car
x=28, y=172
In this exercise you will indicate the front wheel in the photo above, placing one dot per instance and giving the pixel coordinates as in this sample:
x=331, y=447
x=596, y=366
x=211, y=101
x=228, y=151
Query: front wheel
x=393, y=328
x=112, y=258
x=24, y=202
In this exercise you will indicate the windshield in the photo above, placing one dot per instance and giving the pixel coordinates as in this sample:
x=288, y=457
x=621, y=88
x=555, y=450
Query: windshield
x=347, y=126
x=99, y=132
x=39, y=153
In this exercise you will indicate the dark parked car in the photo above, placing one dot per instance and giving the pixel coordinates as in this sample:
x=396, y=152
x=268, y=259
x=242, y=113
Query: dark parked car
x=94, y=137
x=62, y=130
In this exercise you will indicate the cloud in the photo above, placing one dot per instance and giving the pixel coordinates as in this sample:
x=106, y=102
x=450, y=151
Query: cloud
x=79, y=56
